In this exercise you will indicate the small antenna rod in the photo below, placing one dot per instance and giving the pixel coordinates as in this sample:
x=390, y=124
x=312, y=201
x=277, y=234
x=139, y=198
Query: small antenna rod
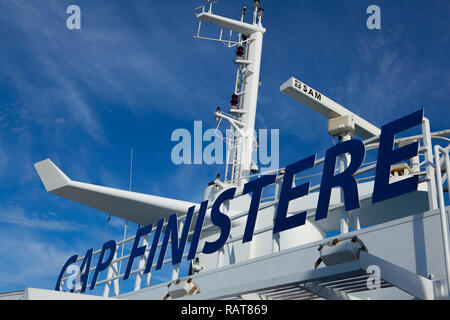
x=126, y=221
x=131, y=168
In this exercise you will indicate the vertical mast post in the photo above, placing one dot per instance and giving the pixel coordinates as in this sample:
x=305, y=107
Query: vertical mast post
x=245, y=127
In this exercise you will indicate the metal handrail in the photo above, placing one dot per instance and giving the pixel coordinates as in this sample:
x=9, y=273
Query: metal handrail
x=440, y=180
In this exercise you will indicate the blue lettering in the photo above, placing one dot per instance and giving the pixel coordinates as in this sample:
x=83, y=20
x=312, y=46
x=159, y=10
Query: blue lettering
x=383, y=190
x=71, y=260
x=86, y=266
x=345, y=179
x=172, y=231
x=387, y=156
x=288, y=193
x=102, y=265
x=221, y=220
x=197, y=230
x=135, y=250
x=151, y=255
x=255, y=187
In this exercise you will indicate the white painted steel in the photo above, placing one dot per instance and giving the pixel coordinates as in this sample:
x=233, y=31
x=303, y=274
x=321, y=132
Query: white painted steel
x=243, y=147
x=43, y=294
x=368, y=213
x=142, y=262
x=408, y=281
x=139, y=208
x=442, y=209
x=250, y=99
x=296, y=265
x=327, y=107
x=431, y=176
x=227, y=23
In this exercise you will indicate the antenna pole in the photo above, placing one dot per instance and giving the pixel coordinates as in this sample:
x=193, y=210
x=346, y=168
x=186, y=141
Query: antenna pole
x=250, y=100
x=249, y=97
x=126, y=221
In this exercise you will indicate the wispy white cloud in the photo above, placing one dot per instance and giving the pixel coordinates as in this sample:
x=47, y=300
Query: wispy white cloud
x=35, y=246
x=39, y=267
x=18, y=216
x=387, y=80
x=109, y=179
x=53, y=83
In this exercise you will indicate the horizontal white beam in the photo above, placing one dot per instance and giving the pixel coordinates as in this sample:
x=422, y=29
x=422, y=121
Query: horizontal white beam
x=325, y=106
x=237, y=26
x=136, y=207
x=44, y=294
x=406, y=280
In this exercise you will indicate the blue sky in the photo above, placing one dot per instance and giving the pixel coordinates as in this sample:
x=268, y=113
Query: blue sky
x=133, y=74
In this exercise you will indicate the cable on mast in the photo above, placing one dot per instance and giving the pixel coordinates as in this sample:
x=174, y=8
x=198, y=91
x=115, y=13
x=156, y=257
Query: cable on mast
x=106, y=228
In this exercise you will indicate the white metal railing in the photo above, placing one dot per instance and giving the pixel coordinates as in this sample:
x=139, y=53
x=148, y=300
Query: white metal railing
x=425, y=169
x=228, y=42
x=440, y=180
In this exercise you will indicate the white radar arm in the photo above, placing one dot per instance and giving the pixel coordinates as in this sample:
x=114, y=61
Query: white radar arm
x=325, y=106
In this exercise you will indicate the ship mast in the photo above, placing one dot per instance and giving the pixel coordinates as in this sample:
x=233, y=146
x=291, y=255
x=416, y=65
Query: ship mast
x=242, y=112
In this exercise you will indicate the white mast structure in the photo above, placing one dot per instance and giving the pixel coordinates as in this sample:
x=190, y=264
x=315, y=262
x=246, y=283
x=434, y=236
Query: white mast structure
x=242, y=141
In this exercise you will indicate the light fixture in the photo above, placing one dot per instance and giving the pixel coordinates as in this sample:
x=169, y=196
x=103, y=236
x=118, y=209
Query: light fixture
x=240, y=52
x=254, y=167
x=234, y=100
x=260, y=13
x=217, y=111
